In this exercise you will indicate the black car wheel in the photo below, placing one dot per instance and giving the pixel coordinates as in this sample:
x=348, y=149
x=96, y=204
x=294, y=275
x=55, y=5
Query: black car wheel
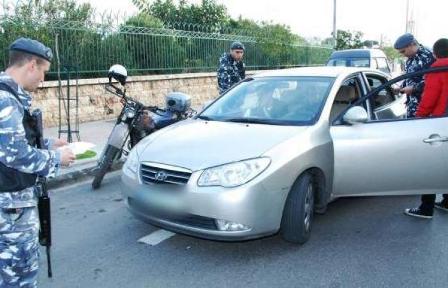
x=299, y=209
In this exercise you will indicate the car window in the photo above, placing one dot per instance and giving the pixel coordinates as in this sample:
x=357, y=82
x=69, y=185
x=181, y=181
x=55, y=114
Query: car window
x=349, y=62
x=390, y=110
x=382, y=65
x=272, y=100
x=360, y=62
x=337, y=62
x=385, y=104
x=385, y=100
x=347, y=94
x=385, y=96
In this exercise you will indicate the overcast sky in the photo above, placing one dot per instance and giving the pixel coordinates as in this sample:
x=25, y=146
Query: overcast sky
x=314, y=18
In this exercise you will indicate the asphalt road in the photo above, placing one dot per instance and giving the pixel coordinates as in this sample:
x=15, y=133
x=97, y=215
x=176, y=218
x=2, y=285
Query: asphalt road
x=359, y=242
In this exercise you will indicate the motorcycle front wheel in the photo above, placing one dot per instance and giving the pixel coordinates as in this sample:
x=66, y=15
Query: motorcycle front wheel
x=104, y=165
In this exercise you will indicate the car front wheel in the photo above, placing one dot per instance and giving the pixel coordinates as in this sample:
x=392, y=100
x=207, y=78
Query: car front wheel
x=298, y=213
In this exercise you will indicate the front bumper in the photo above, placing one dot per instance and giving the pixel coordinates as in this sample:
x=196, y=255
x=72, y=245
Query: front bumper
x=257, y=204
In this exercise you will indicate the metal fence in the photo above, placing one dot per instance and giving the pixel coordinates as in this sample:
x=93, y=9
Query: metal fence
x=91, y=48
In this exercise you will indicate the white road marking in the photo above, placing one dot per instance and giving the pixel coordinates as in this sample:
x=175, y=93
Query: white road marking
x=156, y=237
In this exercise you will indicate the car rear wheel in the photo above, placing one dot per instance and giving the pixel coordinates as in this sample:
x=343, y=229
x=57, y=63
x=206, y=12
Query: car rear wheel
x=298, y=212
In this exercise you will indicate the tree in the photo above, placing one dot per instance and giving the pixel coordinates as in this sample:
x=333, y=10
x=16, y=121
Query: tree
x=169, y=53
x=275, y=44
x=392, y=53
x=327, y=42
x=207, y=15
x=370, y=43
x=144, y=20
x=40, y=20
x=348, y=40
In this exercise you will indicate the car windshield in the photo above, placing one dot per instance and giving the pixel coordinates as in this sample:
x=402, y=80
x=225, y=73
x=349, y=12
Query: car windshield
x=272, y=100
x=349, y=62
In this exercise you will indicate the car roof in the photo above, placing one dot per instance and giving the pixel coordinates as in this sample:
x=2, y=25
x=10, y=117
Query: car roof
x=322, y=71
x=357, y=53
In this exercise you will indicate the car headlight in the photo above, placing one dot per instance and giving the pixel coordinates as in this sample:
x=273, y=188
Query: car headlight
x=233, y=174
x=131, y=165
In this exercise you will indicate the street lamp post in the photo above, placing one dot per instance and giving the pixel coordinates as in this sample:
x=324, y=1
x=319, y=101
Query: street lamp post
x=334, y=24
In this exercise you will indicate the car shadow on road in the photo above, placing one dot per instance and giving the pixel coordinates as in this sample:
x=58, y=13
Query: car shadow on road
x=348, y=220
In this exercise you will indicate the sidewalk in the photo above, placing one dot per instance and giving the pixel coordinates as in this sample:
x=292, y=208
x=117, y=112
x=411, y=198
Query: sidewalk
x=95, y=132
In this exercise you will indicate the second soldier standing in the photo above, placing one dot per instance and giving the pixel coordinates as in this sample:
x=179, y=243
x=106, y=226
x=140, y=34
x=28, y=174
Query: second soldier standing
x=231, y=68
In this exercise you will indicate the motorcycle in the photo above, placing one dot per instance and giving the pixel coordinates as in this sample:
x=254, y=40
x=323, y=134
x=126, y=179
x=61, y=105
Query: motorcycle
x=136, y=121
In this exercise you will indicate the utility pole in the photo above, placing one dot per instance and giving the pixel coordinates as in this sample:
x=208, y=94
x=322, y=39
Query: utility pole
x=334, y=24
x=410, y=22
x=407, y=17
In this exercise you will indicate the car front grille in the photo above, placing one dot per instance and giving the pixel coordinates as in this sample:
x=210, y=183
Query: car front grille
x=190, y=220
x=155, y=173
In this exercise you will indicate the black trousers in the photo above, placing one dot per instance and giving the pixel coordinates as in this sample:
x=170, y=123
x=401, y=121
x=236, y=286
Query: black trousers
x=428, y=201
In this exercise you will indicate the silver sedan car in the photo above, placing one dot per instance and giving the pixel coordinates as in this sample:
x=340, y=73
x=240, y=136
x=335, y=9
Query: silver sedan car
x=278, y=147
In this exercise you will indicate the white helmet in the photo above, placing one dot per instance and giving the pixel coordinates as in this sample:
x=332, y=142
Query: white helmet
x=118, y=72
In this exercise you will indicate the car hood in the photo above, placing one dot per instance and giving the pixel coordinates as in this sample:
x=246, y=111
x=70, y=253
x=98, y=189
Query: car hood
x=198, y=144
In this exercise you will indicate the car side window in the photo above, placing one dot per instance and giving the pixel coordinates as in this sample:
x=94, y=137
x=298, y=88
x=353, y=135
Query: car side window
x=347, y=94
x=382, y=65
x=360, y=62
x=383, y=97
x=374, y=64
x=337, y=62
x=385, y=105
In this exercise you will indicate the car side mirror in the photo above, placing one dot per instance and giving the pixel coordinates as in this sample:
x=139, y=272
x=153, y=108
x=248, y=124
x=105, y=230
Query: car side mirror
x=355, y=115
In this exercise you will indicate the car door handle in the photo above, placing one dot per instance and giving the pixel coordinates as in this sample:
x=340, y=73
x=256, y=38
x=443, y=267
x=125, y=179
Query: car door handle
x=436, y=139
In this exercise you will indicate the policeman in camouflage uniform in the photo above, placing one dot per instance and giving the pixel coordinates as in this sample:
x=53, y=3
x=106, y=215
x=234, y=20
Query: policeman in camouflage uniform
x=231, y=67
x=419, y=58
x=21, y=162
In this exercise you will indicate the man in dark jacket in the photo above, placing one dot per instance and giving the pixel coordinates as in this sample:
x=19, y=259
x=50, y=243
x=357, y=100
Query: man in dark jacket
x=418, y=58
x=434, y=104
x=231, y=67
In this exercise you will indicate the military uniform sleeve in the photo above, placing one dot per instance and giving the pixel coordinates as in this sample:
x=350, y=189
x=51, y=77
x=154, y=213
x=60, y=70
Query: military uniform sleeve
x=425, y=61
x=242, y=70
x=15, y=152
x=224, y=81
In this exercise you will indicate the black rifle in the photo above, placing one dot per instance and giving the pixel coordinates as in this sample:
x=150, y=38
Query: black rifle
x=44, y=198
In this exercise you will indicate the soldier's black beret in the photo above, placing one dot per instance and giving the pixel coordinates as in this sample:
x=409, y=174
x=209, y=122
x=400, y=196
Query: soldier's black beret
x=31, y=46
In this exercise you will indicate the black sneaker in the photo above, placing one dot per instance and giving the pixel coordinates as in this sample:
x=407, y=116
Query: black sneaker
x=417, y=212
x=442, y=205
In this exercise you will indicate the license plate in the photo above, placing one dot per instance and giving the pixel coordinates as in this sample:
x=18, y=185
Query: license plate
x=166, y=202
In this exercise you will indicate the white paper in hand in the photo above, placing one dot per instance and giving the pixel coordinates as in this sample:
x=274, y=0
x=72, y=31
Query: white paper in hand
x=80, y=147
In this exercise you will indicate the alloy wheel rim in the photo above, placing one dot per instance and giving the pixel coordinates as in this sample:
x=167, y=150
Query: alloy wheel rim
x=309, y=203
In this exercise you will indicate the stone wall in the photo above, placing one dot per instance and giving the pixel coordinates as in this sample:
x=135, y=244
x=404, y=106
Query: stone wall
x=97, y=104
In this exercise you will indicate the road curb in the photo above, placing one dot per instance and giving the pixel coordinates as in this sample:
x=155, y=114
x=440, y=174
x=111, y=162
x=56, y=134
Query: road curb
x=81, y=172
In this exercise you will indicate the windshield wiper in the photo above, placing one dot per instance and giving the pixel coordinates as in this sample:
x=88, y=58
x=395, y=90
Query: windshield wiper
x=251, y=120
x=205, y=118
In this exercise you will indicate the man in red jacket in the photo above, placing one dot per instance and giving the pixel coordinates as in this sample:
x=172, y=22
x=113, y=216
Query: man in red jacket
x=434, y=103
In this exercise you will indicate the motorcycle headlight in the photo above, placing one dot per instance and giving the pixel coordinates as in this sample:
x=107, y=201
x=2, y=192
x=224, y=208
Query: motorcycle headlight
x=132, y=163
x=130, y=113
x=233, y=174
